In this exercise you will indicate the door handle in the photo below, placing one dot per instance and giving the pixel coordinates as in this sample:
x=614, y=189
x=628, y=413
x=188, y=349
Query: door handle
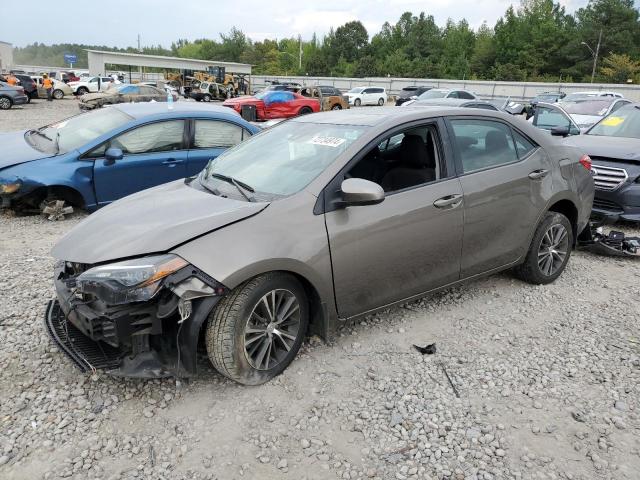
x=171, y=161
x=538, y=174
x=449, y=201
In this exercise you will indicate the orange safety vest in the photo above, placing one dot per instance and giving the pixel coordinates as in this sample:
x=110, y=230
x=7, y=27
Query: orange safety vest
x=12, y=80
x=47, y=83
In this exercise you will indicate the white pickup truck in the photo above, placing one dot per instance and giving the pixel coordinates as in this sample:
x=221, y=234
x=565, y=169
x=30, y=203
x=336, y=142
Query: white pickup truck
x=93, y=84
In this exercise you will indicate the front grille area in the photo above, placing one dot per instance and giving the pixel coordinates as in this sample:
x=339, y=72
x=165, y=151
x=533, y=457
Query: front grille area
x=608, y=205
x=84, y=352
x=608, y=178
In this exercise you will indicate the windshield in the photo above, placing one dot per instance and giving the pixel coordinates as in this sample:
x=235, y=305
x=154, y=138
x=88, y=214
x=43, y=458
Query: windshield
x=77, y=131
x=284, y=159
x=624, y=122
x=433, y=94
x=356, y=90
x=127, y=89
x=550, y=96
x=587, y=107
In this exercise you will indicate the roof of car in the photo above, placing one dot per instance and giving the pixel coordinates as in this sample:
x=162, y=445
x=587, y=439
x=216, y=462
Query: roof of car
x=449, y=102
x=143, y=109
x=377, y=116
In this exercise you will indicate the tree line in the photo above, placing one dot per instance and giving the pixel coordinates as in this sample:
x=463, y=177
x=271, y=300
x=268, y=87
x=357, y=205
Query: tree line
x=537, y=41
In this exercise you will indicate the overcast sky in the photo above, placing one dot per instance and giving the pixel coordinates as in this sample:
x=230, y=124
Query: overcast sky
x=118, y=22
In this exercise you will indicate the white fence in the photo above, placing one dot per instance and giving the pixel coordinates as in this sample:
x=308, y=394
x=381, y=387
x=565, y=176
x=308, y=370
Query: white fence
x=484, y=89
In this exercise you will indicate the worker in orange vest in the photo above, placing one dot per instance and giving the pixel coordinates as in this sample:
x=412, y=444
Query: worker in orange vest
x=12, y=80
x=47, y=83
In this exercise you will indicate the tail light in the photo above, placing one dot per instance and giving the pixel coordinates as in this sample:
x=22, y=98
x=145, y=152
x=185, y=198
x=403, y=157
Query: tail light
x=585, y=161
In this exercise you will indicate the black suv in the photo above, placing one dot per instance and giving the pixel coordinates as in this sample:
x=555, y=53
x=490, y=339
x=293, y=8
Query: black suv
x=408, y=92
x=29, y=84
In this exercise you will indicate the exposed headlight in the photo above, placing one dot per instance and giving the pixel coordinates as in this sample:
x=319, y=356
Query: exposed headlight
x=129, y=281
x=9, y=188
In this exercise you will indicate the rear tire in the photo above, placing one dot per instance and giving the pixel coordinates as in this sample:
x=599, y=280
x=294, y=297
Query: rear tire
x=58, y=94
x=381, y=102
x=357, y=102
x=549, y=252
x=207, y=98
x=305, y=111
x=240, y=327
x=82, y=90
x=337, y=106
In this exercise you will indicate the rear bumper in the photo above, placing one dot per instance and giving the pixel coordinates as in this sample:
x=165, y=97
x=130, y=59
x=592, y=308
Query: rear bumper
x=20, y=99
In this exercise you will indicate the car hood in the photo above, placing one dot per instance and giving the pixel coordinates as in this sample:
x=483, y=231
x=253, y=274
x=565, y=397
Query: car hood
x=87, y=97
x=241, y=101
x=151, y=221
x=585, y=120
x=16, y=150
x=608, y=147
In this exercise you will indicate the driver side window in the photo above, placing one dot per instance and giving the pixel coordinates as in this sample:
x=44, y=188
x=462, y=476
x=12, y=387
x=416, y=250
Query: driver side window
x=407, y=159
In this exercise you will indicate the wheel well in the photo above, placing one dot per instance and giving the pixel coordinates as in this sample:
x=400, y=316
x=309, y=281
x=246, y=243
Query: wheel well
x=569, y=210
x=317, y=315
x=56, y=191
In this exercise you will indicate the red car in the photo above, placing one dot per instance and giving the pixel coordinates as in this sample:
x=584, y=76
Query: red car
x=276, y=104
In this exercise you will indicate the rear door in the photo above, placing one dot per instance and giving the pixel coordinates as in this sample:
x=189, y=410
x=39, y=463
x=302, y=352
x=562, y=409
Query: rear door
x=506, y=180
x=154, y=153
x=210, y=138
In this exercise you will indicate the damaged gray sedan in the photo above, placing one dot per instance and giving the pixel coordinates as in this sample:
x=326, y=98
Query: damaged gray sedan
x=323, y=218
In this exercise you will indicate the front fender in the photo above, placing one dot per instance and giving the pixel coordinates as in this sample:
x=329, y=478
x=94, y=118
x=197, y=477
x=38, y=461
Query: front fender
x=63, y=171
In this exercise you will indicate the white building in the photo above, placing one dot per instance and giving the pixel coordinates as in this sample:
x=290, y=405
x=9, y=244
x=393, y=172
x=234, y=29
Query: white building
x=6, y=56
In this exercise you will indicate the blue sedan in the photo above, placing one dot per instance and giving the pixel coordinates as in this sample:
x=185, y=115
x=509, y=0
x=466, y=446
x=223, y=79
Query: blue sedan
x=92, y=159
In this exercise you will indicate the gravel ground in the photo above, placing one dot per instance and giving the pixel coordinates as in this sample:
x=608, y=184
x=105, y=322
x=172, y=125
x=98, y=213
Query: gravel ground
x=527, y=383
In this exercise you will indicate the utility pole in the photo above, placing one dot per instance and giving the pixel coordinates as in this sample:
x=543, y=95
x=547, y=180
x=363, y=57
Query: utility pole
x=594, y=54
x=300, y=56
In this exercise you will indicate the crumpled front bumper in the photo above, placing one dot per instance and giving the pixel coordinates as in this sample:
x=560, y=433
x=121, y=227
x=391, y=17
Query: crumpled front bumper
x=142, y=339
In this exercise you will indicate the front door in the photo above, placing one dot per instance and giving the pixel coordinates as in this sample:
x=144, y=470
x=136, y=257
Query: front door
x=406, y=245
x=210, y=139
x=506, y=180
x=154, y=153
x=548, y=117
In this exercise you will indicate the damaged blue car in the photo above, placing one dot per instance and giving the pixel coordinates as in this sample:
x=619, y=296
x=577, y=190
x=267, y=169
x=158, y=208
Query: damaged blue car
x=90, y=160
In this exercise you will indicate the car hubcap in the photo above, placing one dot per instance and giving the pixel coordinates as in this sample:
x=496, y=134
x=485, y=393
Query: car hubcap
x=4, y=103
x=553, y=249
x=272, y=329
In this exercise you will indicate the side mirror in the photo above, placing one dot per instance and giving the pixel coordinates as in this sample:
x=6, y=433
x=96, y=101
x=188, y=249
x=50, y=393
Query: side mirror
x=111, y=155
x=359, y=192
x=561, y=131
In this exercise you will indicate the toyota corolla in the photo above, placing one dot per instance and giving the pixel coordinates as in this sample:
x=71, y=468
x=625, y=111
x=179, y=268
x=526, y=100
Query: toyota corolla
x=323, y=218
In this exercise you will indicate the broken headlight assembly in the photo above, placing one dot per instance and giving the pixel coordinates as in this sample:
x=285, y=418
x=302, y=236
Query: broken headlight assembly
x=10, y=187
x=135, y=280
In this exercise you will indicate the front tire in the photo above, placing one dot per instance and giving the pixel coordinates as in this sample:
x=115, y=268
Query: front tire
x=255, y=332
x=381, y=102
x=549, y=252
x=357, y=102
x=82, y=90
x=337, y=106
x=305, y=111
x=207, y=98
x=5, y=103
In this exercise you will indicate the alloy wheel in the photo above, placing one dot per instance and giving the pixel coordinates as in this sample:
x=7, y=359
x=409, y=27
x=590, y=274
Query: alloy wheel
x=5, y=104
x=272, y=329
x=553, y=249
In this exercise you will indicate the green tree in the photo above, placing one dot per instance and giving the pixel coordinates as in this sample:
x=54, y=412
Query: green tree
x=620, y=68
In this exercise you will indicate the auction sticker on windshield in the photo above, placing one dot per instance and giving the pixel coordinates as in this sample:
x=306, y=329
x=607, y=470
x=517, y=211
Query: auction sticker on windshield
x=612, y=121
x=327, y=141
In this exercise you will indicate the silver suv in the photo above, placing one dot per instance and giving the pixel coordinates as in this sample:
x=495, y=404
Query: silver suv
x=324, y=217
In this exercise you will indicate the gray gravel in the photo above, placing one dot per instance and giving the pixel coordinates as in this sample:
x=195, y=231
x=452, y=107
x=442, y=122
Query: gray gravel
x=547, y=382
